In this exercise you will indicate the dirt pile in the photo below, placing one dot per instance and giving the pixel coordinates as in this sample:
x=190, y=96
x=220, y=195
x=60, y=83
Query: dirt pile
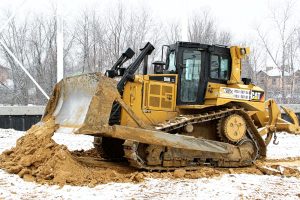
x=37, y=157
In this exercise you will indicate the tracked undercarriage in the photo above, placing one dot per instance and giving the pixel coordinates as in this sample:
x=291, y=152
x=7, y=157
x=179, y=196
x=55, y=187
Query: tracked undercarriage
x=155, y=157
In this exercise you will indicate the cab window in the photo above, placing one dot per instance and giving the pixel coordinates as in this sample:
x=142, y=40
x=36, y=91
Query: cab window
x=172, y=62
x=219, y=67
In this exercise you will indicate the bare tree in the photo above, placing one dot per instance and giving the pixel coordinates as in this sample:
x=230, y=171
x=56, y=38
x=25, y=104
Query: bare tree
x=89, y=39
x=285, y=29
x=129, y=28
x=42, y=52
x=256, y=59
x=69, y=49
x=33, y=41
x=173, y=32
x=202, y=28
x=293, y=48
x=115, y=41
x=224, y=38
x=15, y=37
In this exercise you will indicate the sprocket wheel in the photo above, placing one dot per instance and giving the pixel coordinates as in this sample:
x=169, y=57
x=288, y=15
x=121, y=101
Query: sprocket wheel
x=232, y=129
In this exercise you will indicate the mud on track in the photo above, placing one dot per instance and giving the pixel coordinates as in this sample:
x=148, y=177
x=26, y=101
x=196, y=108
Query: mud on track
x=37, y=157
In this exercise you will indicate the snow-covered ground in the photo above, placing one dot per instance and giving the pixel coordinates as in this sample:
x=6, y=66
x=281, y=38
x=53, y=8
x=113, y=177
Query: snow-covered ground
x=232, y=186
x=288, y=146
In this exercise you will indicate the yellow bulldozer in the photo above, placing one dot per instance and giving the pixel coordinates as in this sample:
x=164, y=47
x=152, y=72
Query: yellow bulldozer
x=194, y=110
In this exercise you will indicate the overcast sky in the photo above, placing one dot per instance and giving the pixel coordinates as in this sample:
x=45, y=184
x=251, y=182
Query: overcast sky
x=240, y=17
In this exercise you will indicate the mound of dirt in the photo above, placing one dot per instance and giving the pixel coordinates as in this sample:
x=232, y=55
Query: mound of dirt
x=37, y=157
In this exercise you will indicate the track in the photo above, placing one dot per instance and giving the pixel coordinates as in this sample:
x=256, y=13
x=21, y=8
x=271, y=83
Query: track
x=138, y=155
x=288, y=167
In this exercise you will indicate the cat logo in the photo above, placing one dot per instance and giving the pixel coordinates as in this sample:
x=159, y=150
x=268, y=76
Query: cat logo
x=257, y=95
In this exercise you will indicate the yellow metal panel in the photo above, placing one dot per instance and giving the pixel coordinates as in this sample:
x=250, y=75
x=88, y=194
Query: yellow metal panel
x=234, y=91
x=136, y=95
x=159, y=95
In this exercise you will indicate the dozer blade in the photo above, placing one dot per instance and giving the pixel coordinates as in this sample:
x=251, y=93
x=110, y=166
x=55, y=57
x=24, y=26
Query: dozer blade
x=159, y=138
x=80, y=101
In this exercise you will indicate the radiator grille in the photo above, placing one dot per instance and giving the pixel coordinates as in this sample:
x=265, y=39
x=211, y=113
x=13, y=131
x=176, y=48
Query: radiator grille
x=166, y=89
x=154, y=101
x=159, y=96
x=166, y=104
x=155, y=89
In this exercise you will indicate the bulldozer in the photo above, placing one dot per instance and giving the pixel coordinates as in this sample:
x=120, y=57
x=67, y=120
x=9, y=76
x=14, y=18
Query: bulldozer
x=195, y=109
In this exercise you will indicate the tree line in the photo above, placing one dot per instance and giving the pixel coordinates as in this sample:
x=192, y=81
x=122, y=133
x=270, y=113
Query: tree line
x=94, y=41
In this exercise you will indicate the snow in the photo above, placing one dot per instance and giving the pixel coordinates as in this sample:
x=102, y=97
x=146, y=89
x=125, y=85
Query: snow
x=231, y=186
x=289, y=146
x=74, y=142
x=225, y=187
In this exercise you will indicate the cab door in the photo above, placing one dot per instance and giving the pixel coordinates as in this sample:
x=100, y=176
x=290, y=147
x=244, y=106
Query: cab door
x=191, y=81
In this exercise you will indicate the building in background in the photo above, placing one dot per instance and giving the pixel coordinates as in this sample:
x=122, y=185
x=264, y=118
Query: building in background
x=4, y=74
x=6, y=85
x=271, y=81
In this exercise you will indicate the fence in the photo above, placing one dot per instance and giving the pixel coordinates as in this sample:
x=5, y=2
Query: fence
x=20, y=117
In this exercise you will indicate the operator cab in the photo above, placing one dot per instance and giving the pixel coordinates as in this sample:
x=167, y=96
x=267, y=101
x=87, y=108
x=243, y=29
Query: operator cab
x=196, y=64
